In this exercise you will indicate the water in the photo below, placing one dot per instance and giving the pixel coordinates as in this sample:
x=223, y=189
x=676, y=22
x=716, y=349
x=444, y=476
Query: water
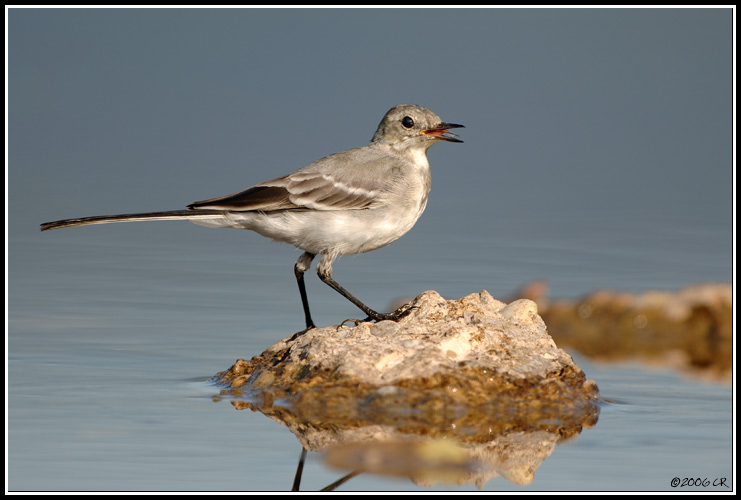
x=606, y=164
x=115, y=330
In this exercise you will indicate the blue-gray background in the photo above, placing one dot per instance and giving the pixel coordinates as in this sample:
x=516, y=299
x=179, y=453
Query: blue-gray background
x=597, y=154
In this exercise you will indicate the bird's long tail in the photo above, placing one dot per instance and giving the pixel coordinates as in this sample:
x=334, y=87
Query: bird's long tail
x=191, y=215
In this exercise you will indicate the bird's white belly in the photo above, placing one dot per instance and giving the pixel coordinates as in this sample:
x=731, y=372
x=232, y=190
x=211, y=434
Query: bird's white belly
x=327, y=232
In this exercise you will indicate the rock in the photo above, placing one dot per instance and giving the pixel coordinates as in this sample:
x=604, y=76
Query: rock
x=691, y=328
x=476, y=342
x=475, y=371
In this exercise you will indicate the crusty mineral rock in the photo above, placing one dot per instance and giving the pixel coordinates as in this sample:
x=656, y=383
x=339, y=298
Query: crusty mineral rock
x=476, y=342
x=474, y=371
x=446, y=353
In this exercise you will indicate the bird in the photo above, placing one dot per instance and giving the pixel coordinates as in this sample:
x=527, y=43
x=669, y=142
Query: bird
x=350, y=202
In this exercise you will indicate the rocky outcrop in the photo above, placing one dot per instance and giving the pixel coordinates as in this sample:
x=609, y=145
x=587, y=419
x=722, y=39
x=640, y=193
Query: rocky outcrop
x=479, y=374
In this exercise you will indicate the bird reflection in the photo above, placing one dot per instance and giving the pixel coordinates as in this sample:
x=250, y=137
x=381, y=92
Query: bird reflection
x=330, y=487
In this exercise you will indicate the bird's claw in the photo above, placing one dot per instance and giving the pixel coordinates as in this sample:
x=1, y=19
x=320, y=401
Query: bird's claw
x=392, y=316
x=376, y=317
x=356, y=321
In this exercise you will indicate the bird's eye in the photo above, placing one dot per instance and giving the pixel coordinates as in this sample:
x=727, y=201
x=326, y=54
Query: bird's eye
x=407, y=122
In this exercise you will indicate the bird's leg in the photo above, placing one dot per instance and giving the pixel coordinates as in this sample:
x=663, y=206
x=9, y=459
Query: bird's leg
x=299, y=470
x=302, y=264
x=324, y=270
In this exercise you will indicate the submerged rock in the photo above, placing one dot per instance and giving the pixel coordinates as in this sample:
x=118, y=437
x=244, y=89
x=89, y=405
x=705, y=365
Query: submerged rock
x=691, y=328
x=475, y=371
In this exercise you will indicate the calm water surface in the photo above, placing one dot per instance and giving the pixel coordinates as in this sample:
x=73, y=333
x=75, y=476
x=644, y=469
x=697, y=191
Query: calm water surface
x=607, y=164
x=114, y=331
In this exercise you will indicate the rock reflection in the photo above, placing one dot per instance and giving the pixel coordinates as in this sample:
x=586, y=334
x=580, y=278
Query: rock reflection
x=509, y=441
x=425, y=461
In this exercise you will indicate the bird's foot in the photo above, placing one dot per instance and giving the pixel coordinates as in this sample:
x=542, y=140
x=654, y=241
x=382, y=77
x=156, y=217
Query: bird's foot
x=298, y=334
x=396, y=315
x=351, y=320
x=376, y=316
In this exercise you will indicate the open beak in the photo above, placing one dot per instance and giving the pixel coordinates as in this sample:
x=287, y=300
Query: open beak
x=441, y=132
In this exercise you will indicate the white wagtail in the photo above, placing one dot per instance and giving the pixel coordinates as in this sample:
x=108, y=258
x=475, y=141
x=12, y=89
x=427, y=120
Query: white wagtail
x=346, y=203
